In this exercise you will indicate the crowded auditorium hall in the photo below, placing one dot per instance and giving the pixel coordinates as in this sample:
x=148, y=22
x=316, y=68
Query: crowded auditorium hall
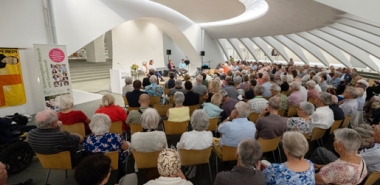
x=164, y=92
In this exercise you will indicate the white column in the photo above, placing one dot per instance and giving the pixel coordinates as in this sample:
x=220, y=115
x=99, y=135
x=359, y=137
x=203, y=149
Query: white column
x=95, y=50
x=108, y=41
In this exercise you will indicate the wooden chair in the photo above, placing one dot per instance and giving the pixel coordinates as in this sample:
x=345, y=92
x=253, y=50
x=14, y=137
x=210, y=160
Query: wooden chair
x=154, y=100
x=175, y=128
x=335, y=126
x=372, y=178
x=166, y=90
x=311, y=100
x=201, y=99
x=228, y=154
x=254, y=117
x=196, y=157
x=132, y=108
x=59, y=161
x=270, y=145
x=135, y=127
x=114, y=159
x=317, y=135
x=281, y=112
x=212, y=71
x=292, y=111
x=213, y=124
x=116, y=127
x=75, y=128
x=193, y=108
x=145, y=159
x=172, y=99
x=162, y=109
x=346, y=121
x=125, y=101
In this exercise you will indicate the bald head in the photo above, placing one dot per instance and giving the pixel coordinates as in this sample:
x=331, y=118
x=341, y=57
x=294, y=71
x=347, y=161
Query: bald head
x=144, y=100
x=47, y=119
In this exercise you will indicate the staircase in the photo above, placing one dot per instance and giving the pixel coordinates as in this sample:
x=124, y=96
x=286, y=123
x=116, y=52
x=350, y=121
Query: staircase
x=81, y=70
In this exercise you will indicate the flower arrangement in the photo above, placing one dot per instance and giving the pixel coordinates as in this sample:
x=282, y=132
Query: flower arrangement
x=134, y=67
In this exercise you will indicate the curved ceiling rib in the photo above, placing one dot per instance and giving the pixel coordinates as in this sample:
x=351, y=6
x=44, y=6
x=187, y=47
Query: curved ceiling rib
x=373, y=39
x=310, y=47
x=248, y=45
x=235, y=44
x=278, y=46
x=263, y=46
x=361, y=26
x=354, y=51
x=293, y=47
x=223, y=47
x=327, y=47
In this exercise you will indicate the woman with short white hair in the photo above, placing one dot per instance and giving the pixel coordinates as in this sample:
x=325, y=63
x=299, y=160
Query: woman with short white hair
x=149, y=139
x=68, y=116
x=128, y=87
x=297, y=169
x=212, y=109
x=101, y=140
x=198, y=138
x=303, y=123
x=115, y=112
x=178, y=113
x=311, y=91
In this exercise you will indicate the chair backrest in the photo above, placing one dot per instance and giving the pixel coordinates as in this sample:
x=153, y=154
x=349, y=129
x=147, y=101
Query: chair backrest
x=268, y=145
x=335, y=126
x=114, y=159
x=346, y=121
x=229, y=153
x=145, y=159
x=192, y=108
x=125, y=100
x=253, y=116
x=59, y=161
x=166, y=90
x=154, y=100
x=162, y=109
x=132, y=108
x=213, y=124
x=74, y=128
x=172, y=99
x=212, y=71
x=116, y=127
x=372, y=178
x=194, y=157
x=311, y=100
x=174, y=128
x=281, y=112
x=292, y=111
x=317, y=133
x=135, y=127
x=201, y=99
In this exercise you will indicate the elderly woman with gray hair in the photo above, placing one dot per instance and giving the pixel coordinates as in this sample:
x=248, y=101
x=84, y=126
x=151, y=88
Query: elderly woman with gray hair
x=149, y=139
x=178, y=113
x=177, y=88
x=303, y=123
x=349, y=168
x=116, y=113
x=311, y=91
x=198, y=138
x=68, y=116
x=128, y=87
x=297, y=169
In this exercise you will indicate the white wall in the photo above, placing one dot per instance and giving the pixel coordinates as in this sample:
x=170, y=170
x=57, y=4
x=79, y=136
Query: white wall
x=137, y=41
x=177, y=55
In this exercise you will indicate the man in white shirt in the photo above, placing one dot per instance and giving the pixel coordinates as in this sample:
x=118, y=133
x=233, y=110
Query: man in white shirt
x=323, y=117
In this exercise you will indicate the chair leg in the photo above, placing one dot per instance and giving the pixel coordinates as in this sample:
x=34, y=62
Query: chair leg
x=274, y=156
x=209, y=170
x=279, y=153
x=47, y=177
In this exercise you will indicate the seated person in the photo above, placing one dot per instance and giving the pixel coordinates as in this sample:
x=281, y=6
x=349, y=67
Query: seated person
x=297, y=169
x=171, y=82
x=172, y=68
x=198, y=138
x=311, y=91
x=134, y=116
x=198, y=87
x=350, y=104
x=212, y=108
x=146, y=80
x=258, y=103
x=273, y=125
x=303, y=123
x=230, y=88
x=338, y=112
x=115, y=112
x=169, y=168
x=295, y=98
x=94, y=169
x=349, y=168
x=250, y=93
x=191, y=98
x=182, y=68
x=284, y=85
x=214, y=87
x=102, y=141
x=178, y=88
x=149, y=139
x=323, y=117
x=244, y=85
x=178, y=113
x=157, y=74
x=134, y=95
x=228, y=104
x=47, y=138
x=248, y=156
x=371, y=156
x=68, y=116
x=276, y=91
x=154, y=89
x=128, y=86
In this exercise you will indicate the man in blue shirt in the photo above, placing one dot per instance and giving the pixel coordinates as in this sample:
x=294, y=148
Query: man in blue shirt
x=182, y=68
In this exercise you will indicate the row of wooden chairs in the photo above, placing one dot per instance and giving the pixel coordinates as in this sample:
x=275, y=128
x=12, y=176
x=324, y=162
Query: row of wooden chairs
x=116, y=127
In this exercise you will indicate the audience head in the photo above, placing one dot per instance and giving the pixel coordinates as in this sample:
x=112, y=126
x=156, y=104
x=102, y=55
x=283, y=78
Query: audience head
x=151, y=62
x=317, y=79
x=275, y=89
x=47, y=119
x=274, y=103
x=229, y=73
x=144, y=100
x=253, y=82
x=100, y=124
x=178, y=83
x=305, y=109
x=108, y=99
x=350, y=93
x=94, y=170
x=188, y=85
x=168, y=163
x=137, y=85
x=216, y=99
x=246, y=78
x=153, y=79
x=334, y=99
x=324, y=99
x=128, y=80
x=294, y=86
x=66, y=102
x=144, y=63
x=186, y=77
x=179, y=98
x=150, y=119
x=347, y=140
x=199, y=120
x=295, y=144
x=259, y=90
x=199, y=79
x=284, y=78
x=214, y=86
x=171, y=75
x=266, y=78
x=362, y=84
x=242, y=109
x=310, y=84
x=249, y=153
x=151, y=72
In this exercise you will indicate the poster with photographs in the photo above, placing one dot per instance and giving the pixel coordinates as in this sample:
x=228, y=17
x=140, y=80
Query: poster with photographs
x=54, y=73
